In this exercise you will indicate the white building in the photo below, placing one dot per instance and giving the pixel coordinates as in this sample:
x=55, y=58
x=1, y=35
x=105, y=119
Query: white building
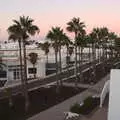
x=10, y=65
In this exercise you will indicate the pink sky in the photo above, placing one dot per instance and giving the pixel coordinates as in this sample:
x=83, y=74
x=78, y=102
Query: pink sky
x=48, y=13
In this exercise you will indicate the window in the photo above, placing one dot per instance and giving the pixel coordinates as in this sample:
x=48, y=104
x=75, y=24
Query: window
x=32, y=70
x=16, y=71
x=3, y=74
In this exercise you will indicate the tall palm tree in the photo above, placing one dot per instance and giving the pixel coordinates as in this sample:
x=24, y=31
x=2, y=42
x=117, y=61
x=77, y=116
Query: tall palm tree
x=55, y=36
x=70, y=50
x=15, y=35
x=81, y=43
x=99, y=37
x=112, y=37
x=96, y=41
x=92, y=41
x=66, y=42
x=77, y=27
x=25, y=28
x=117, y=47
x=88, y=43
x=33, y=57
x=104, y=33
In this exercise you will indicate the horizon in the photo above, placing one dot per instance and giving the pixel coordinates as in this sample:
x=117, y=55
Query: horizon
x=58, y=12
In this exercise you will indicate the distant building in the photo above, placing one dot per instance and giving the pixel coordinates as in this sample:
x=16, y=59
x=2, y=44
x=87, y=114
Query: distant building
x=10, y=64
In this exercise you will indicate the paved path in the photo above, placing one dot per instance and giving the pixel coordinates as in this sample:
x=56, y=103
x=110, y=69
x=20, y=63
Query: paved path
x=56, y=112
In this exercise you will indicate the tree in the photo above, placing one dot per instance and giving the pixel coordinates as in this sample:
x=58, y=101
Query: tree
x=93, y=41
x=15, y=35
x=33, y=57
x=117, y=47
x=54, y=35
x=71, y=49
x=88, y=45
x=112, y=38
x=77, y=27
x=66, y=42
x=104, y=33
x=99, y=38
x=96, y=40
x=45, y=47
x=25, y=29
x=81, y=43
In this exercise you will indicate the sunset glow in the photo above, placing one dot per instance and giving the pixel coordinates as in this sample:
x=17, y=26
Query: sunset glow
x=48, y=13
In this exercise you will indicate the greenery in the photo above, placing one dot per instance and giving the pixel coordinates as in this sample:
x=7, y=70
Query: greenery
x=20, y=31
x=89, y=105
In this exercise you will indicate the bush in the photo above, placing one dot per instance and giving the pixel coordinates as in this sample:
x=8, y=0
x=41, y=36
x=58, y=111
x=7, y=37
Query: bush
x=90, y=103
x=75, y=108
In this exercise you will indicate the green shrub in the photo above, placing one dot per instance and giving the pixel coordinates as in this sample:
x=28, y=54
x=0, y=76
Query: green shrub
x=75, y=108
x=89, y=104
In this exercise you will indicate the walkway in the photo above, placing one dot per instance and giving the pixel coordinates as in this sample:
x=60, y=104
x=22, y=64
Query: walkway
x=56, y=112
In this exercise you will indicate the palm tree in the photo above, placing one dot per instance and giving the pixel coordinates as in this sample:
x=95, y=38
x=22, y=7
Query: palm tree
x=96, y=42
x=24, y=28
x=99, y=37
x=92, y=41
x=81, y=43
x=45, y=47
x=33, y=57
x=15, y=35
x=77, y=27
x=55, y=36
x=104, y=33
x=66, y=42
x=112, y=37
x=117, y=47
x=63, y=39
x=88, y=45
x=70, y=50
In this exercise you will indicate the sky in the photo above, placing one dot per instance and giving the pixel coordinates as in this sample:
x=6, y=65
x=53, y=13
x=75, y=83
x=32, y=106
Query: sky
x=48, y=13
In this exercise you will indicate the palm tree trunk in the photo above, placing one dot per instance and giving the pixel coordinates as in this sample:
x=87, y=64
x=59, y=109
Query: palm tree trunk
x=25, y=79
x=89, y=54
x=67, y=61
x=94, y=61
x=81, y=76
x=21, y=68
x=47, y=58
x=100, y=53
x=9, y=95
x=76, y=80
x=56, y=62
x=60, y=67
x=34, y=71
x=79, y=58
x=81, y=55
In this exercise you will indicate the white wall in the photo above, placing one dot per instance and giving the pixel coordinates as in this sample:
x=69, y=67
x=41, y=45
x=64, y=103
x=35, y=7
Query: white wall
x=114, y=100
x=40, y=65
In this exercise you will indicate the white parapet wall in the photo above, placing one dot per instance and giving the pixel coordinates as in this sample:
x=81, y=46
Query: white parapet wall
x=114, y=100
x=104, y=92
